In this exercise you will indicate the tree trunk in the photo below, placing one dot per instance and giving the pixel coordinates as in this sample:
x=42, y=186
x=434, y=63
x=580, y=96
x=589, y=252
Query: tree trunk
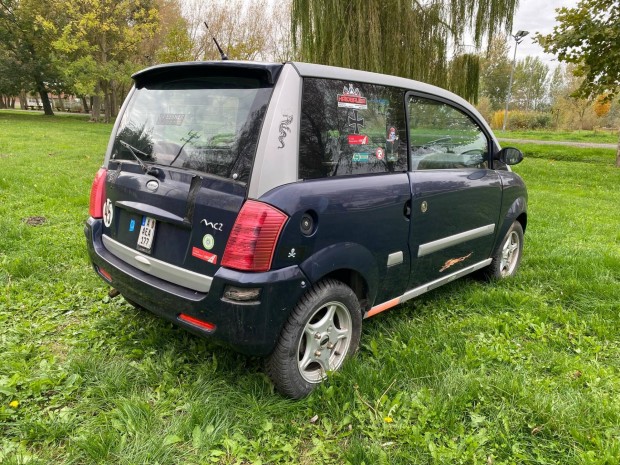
x=85, y=104
x=12, y=103
x=107, y=103
x=113, y=101
x=45, y=100
x=23, y=100
x=95, y=108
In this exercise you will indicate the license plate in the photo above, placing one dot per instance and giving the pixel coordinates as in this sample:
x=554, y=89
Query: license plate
x=147, y=233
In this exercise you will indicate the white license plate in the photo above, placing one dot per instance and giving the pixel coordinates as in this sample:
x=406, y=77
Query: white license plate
x=147, y=233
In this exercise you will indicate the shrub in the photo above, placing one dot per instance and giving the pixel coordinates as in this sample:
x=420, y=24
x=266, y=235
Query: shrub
x=522, y=120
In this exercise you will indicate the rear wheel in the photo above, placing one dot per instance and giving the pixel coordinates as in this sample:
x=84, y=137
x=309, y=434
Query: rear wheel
x=508, y=256
x=321, y=332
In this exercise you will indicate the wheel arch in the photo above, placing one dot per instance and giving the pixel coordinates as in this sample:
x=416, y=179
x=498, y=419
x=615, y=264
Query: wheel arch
x=522, y=218
x=349, y=263
x=517, y=211
x=354, y=280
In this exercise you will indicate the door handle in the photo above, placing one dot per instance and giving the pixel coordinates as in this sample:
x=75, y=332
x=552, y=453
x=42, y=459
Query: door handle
x=407, y=209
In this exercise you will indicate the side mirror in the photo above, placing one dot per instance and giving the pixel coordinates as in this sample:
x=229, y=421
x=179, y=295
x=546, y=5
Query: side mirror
x=509, y=155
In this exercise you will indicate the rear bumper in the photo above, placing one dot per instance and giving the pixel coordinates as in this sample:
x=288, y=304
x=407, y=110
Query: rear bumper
x=251, y=328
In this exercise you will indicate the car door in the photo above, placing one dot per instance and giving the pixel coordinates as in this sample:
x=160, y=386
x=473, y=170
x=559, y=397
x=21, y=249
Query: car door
x=456, y=197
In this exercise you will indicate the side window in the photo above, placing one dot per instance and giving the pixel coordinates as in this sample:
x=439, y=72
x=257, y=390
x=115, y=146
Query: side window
x=443, y=137
x=350, y=128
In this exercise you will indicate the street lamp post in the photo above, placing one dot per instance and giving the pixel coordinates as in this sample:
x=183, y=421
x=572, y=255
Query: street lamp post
x=518, y=39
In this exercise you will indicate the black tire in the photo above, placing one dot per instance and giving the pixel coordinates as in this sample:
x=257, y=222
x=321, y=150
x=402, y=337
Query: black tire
x=507, y=257
x=321, y=332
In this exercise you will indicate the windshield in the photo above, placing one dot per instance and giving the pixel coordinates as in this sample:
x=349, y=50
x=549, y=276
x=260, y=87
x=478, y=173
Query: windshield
x=206, y=124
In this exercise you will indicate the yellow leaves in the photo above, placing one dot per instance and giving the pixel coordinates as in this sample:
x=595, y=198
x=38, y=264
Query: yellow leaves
x=602, y=105
x=46, y=24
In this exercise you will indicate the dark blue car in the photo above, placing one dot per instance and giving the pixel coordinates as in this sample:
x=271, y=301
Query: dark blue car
x=273, y=207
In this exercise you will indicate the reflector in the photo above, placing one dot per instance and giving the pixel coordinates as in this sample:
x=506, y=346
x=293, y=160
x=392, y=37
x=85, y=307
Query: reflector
x=196, y=322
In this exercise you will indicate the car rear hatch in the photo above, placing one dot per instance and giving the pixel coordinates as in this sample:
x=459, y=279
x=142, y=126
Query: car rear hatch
x=178, y=166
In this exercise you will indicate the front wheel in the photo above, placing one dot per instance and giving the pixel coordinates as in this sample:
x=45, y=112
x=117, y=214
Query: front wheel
x=507, y=257
x=321, y=332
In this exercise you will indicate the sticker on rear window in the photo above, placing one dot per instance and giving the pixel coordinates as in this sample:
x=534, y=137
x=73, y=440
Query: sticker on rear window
x=170, y=119
x=351, y=97
x=358, y=139
x=356, y=122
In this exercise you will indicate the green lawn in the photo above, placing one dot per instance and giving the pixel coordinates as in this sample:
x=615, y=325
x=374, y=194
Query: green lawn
x=525, y=371
x=598, y=136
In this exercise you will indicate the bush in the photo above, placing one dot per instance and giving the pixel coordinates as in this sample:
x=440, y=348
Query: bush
x=522, y=120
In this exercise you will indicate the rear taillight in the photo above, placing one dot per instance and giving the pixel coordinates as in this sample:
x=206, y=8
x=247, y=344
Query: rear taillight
x=97, y=194
x=254, y=237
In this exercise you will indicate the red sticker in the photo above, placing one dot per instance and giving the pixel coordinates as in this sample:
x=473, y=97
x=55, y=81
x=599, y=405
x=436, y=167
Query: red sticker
x=351, y=97
x=379, y=154
x=358, y=139
x=204, y=255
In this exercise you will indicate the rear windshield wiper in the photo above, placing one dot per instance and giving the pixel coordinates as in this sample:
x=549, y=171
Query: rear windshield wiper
x=147, y=169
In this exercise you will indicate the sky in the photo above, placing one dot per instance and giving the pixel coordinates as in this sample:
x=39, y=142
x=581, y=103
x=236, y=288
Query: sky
x=536, y=16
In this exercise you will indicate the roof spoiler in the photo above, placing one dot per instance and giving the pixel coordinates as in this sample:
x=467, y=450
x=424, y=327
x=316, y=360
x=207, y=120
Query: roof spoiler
x=268, y=72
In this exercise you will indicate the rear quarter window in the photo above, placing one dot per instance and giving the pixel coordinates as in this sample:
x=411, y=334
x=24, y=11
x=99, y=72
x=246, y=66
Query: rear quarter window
x=350, y=128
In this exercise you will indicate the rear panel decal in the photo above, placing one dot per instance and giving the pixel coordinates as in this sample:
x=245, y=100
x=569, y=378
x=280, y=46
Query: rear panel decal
x=204, y=255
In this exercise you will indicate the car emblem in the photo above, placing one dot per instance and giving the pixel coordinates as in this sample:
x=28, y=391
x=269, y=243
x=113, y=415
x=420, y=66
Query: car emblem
x=152, y=185
x=108, y=213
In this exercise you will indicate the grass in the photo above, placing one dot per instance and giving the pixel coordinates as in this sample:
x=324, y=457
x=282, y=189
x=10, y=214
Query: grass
x=523, y=371
x=602, y=136
x=566, y=153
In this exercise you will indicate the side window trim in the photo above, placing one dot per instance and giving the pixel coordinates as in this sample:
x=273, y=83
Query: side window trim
x=436, y=98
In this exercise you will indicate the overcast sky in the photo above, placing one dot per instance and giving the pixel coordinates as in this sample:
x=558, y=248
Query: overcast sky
x=536, y=16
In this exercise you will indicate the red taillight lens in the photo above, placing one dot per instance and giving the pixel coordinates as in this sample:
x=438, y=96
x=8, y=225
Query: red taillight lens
x=254, y=237
x=97, y=194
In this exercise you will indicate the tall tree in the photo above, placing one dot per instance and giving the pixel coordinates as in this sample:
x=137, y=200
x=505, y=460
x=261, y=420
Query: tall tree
x=171, y=41
x=104, y=37
x=589, y=36
x=28, y=44
x=409, y=39
x=530, y=83
x=243, y=29
x=494, y=72
x=11, y=79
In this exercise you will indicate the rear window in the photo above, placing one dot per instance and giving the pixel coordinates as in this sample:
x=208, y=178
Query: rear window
x=206, y=124
x=350, y=128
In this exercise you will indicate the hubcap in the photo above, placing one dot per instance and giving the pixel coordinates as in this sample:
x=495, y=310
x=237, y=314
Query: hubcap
x=325, y=341
x=510, y=254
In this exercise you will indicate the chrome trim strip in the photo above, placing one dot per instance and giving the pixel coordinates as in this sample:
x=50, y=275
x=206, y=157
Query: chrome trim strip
x=166, y=271
x=443, y=280
x=395, y=258
x=444, y=243
x=425, y=288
